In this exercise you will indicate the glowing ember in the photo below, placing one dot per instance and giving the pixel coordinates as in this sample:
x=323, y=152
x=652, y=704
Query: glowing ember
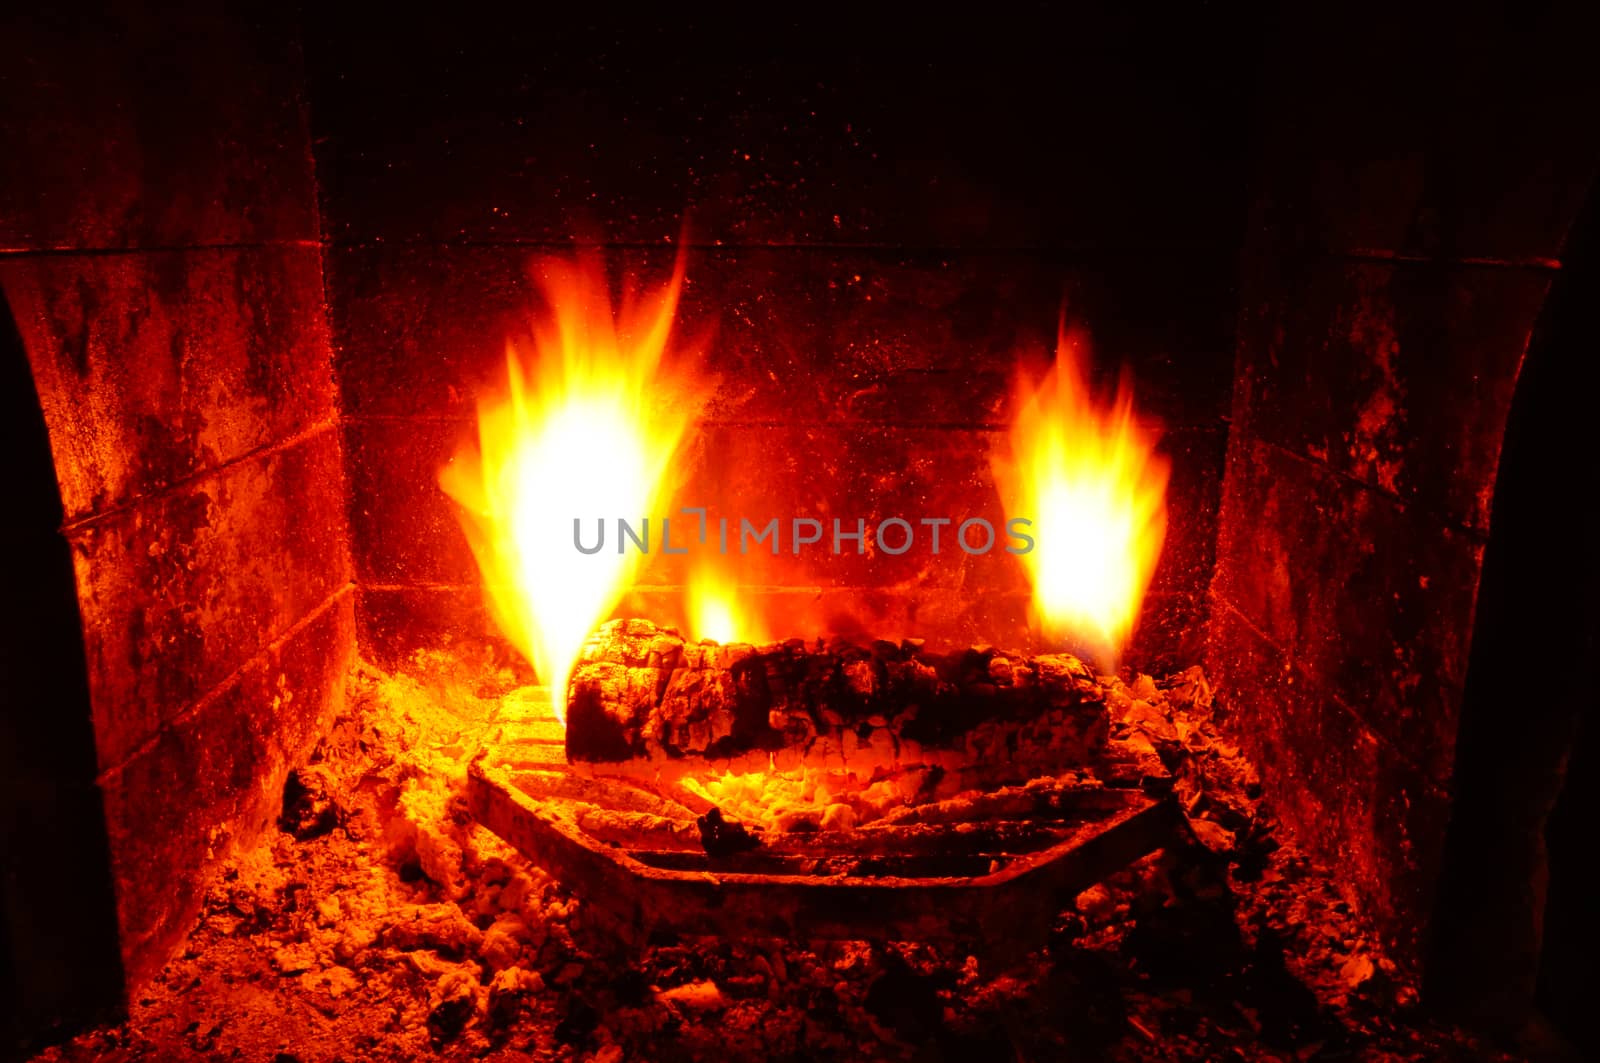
x=1090, y=479
x=806, y=799
x=586, y=430
x=714, y=609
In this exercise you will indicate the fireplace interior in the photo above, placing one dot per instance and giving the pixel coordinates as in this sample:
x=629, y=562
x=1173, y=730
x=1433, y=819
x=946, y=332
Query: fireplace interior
x=310, y=749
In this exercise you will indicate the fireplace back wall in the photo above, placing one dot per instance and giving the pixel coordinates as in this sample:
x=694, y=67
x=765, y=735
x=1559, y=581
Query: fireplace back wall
x=883, y=214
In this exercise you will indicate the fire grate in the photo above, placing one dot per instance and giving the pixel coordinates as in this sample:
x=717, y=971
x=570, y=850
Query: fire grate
x=991, y=876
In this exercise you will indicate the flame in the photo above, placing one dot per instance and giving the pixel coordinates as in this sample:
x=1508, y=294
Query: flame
x=586, y=429
x=715, y=611
x=1089, y=478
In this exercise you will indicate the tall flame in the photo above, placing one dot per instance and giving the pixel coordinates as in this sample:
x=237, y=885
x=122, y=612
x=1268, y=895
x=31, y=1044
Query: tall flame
x=1089, y=478
x=587, y=429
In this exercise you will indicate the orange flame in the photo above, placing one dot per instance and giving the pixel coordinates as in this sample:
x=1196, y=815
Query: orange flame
x=1089, y=478
x=715, y=611
x=586, y=430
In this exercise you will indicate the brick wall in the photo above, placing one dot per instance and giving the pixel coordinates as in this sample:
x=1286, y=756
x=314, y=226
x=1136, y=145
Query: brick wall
x=884, y=213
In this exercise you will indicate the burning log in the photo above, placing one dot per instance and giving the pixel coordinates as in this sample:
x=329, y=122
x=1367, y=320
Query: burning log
x=640, y=691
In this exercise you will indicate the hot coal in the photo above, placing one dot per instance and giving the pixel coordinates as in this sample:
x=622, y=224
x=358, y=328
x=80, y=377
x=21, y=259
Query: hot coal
x=309, y=809
x=723, y=837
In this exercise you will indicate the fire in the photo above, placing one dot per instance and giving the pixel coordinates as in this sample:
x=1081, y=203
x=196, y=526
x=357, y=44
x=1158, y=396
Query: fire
x=587, y=429
x=715, y=611
x=1089, y=478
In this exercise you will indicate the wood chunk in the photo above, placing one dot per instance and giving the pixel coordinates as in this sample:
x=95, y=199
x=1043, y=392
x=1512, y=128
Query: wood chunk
x=640, y=691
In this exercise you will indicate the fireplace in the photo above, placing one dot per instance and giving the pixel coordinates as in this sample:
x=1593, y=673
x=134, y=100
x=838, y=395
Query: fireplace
x=300, y=734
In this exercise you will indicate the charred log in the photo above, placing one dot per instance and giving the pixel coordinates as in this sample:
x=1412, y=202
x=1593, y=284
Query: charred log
x=642, y=691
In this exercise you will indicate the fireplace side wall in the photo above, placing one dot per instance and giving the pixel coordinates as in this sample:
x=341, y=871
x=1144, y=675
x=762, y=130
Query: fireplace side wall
x=1401, y=243
x=165, y=275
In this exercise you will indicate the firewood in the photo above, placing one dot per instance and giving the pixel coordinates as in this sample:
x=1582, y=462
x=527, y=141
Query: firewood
x=640, y=691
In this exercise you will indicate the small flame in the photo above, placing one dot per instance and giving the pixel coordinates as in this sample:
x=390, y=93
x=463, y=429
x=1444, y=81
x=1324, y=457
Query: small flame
x=587, y=429
x=715, y=611
x=1089, y=478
